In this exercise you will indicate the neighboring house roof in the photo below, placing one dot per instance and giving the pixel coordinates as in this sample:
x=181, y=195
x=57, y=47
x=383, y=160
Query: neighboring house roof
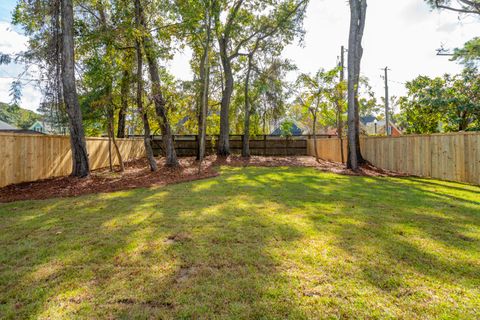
x=295, y=131
x=6, y=127
x=22, y=131
x=367, y=119
x=37, y=124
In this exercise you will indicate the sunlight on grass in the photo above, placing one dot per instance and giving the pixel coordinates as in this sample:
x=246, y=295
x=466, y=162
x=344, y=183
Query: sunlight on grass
x=270, y=243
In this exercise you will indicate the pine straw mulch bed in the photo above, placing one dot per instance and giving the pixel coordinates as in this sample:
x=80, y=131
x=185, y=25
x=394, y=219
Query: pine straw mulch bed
x=137, y=174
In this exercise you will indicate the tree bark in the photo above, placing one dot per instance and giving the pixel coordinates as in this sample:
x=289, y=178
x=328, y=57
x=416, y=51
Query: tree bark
x=146, y=125
x=205, y=85
x=111, y=135
x=246, y=133
x=80, y=166
x=355, y=53
x=158, y=99
x=110, y=162
x=314, y=116
x=110, y=107
x=224, y=44
x=223, y=149
x=340, y=129
x=122, y=113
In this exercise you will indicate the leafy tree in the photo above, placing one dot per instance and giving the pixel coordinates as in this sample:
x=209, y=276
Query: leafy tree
x=469, y=55
x=315, y=96
x=270, y=92
x=81, y=167
x=450, y=103
x=151, y=51
x=197, y=28
x=50, y=27
x=277, y=31
x=17, y=116
x=286, y=128
x=367, y=102
x=237, y=24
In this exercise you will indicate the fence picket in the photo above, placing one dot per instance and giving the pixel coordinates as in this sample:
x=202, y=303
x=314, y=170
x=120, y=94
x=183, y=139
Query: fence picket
x=452, y=156
x=25, y=158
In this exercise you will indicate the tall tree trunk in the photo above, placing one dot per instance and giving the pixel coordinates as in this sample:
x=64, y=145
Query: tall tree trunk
x=340, y=129
x=80, y=166
x=158, y=99
x=111, y=134
x=246, y=132
x=110, y=162
x=122, y=113
x=224, y=139
x=205, y=85
x=146, y=125
x=110, y=107
x=358, y=10
x=314, y=116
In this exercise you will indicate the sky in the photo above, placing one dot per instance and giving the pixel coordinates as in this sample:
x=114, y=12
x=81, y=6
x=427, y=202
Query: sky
x=402, y=35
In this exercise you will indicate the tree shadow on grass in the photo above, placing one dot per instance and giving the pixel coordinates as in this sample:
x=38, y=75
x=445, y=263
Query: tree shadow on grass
x=236, y=246
x=417, y=247
x=144, y=253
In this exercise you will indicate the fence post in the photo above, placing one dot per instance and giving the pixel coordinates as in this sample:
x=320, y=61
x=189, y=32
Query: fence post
x=264, y=145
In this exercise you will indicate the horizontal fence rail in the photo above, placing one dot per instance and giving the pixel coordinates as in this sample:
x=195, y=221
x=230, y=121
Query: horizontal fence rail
x=264, y=145
x=25, y=158
x=30, y=157
x=453, y=157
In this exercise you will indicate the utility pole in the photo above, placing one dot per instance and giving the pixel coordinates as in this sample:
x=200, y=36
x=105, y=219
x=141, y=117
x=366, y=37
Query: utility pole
x=387, y=105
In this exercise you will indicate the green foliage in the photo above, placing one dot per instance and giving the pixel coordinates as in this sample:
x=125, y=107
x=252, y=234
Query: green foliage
x=469, y=55
x=448, y=103
x=18, y=117
x=368, y=104
x=318, y=97
x=286, y=128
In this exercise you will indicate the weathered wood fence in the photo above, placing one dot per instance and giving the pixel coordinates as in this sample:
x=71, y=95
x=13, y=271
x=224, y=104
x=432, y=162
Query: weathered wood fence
x=263, y=145
x=26, y=158
x=454, y=157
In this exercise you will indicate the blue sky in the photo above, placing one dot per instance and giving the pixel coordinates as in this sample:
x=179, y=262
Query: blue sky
x=400, y=34
x=6, y=7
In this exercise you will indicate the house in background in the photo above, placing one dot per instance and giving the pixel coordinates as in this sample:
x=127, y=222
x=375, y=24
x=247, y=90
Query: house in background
x=370, y=126
x=294, y=130
x=38, y=127
x=45, y=127
x=5, y=127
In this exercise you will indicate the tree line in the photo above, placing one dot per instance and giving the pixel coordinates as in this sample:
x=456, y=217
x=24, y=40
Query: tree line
x=102, y=69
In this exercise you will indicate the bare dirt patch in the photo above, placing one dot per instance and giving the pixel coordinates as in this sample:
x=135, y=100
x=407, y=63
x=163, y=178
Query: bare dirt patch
x=137, y=175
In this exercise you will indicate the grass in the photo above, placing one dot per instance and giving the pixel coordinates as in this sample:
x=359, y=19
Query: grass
x=254, y=243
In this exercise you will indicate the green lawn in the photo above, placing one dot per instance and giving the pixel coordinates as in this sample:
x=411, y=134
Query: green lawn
x=255, y=243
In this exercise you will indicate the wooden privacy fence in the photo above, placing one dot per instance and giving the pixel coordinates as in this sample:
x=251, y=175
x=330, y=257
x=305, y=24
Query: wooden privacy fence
x=25, y=158
x=264, y=145
x=329, y=149
x=453, y=156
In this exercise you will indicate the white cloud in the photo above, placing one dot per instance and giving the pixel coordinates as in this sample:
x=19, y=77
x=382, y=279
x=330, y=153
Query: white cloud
x=400, y=34
x=10, y=40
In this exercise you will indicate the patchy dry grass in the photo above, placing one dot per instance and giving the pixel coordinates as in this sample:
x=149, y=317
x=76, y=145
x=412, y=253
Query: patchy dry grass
x=253, y=243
